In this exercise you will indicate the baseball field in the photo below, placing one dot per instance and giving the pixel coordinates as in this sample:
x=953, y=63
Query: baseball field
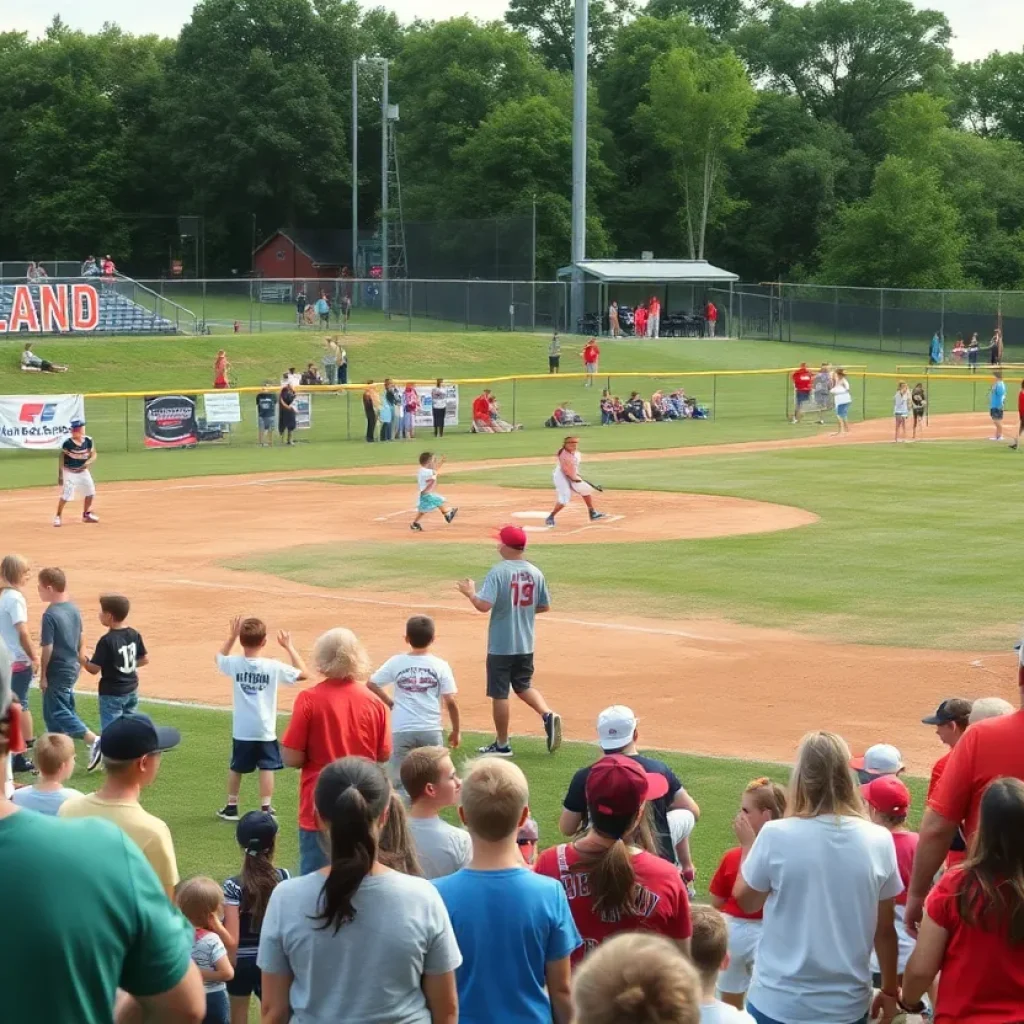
x=755, y=578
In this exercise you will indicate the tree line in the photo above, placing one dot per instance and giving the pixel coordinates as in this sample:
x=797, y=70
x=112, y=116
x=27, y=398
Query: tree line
x=837, y=141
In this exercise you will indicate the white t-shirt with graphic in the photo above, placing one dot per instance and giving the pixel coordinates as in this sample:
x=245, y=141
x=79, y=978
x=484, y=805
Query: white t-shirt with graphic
x=256, y=681
x=420, y=681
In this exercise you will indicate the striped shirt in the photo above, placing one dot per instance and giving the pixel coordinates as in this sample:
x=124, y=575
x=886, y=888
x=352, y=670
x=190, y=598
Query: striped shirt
x=76, y=453
x=207, y=949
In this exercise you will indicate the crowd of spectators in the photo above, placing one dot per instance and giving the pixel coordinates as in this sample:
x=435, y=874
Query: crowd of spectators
x=828, y=908
x=661, y=408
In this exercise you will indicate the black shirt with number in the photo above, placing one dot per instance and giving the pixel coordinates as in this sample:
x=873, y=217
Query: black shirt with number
x=117, y=654
x=266, y=403
x=76, y=453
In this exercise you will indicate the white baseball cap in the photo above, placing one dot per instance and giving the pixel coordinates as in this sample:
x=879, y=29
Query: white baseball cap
x=615, y=727
x=881, y=759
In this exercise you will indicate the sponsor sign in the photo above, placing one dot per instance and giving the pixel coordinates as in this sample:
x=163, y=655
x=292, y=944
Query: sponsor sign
x=38, y=421
x=222, y=407
x=425, y=413
x=170, y=421
x=52, y=309
x=303, y=410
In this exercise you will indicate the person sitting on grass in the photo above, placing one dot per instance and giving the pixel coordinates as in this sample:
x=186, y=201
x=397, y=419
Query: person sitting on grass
x=607, y=409
x=634, y=408
x=34, y=364
x=482, y=413
x=55, y=761
x=201, y=900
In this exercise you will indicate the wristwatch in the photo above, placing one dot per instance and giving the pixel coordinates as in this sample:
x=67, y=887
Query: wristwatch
x=916, y=1008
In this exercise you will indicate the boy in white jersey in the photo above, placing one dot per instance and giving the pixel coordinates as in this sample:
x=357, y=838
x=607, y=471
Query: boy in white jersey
x=254, y=743
x=568, y=482
x=426, y=481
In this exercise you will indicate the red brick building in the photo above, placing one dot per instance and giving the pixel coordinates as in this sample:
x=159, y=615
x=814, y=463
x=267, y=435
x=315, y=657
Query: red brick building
x=304, y=253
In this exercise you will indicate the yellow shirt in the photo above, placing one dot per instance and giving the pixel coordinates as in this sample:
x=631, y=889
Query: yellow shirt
x=150, y=834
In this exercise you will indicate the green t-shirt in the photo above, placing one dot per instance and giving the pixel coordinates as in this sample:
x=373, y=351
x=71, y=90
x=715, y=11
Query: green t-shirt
x=84, y=914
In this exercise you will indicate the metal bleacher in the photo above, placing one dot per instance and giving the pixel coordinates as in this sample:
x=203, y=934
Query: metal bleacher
x=118, y=314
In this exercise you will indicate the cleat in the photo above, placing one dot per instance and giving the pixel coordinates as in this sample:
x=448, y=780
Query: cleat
x=550, y=521
x=56, y=520
x=416, y=527
x=90, y=517
x=598, y=515
x=451, y=515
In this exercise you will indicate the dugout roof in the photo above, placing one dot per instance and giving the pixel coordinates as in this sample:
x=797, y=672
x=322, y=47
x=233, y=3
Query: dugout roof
x=652, y=272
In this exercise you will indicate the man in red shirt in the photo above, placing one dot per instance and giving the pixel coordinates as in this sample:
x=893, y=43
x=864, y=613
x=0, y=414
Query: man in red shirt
x=711, y=318
x=591, y=353
x=988, y=750
x=1020, y=416
x=339, y=717
x=482, y=413
x=803, y=382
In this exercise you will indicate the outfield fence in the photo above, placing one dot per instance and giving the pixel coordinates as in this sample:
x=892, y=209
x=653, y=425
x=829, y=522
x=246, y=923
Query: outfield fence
x=118, y=420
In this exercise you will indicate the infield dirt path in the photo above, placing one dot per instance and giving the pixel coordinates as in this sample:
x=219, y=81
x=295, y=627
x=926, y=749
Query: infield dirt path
x=702, y=685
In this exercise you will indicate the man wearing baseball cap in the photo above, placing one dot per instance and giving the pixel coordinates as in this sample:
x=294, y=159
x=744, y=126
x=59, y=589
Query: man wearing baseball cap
x=81, y=891
x=132, y=747
x=514, y=592
x=617, y=733
x=880, y=759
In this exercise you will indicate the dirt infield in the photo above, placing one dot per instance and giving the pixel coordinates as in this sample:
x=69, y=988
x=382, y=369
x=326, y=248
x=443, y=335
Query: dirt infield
x=704, y=686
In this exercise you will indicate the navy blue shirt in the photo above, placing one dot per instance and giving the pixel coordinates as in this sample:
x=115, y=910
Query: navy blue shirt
x=76, y=453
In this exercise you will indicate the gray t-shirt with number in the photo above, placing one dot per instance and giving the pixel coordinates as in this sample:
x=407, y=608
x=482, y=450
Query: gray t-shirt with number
x=515, y=589
x=62, y=630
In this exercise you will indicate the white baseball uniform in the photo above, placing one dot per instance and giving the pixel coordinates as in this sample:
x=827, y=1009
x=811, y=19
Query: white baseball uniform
x=564, y=487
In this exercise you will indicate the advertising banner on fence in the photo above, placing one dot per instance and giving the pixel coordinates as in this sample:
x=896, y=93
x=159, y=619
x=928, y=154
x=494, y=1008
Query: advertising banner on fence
x=425, y=413
x=38, y=421
x=171, y=421
x=222, y=407
x=303, y=410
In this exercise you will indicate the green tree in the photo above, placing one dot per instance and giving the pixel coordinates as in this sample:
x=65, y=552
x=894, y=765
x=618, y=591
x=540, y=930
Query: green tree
x=699, y=111
x=990, y=95
x=846, y=59
x=719, y=17
x=905, y=234
x=550, y=27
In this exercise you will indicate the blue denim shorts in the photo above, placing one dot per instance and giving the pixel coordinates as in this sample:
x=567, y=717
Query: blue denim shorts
x=842, y=411
x=113, y=706
x=20, y=682
x=312, y=856
x=59, y=712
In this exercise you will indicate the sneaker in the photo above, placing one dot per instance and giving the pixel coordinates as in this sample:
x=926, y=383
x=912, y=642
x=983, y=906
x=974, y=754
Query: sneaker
x=272, y=811
x=94, y=756
x=598, y=515
x=20, y=764
x=495, y=751
x=553, y=731
x=90, y=517
x=451, y=515
x=1013, y=447
x=229, y=812
x=550, y=521
x=416, y=527
x=56, y=520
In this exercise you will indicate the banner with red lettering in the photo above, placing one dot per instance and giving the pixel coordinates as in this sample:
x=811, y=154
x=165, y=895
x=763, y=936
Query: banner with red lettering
x=38, y=421
x=51, y=309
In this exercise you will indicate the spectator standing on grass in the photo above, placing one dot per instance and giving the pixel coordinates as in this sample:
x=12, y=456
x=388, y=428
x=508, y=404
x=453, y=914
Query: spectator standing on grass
x=803, y=383
x=220, y=370
x=972, y=933
x=14, y=574
x=554, y=353
x=1020, y=417
x=286, y=414
x=826, y=879
x=60, y=650
x=255, y=680
x=972, y=352
x=640, y=321
x=357, y=941
x=411, y=405
x=612, y=885
x=514, y=592
x=338, y=717
x=617, y=734
x=901, y=411
x=711, y=318
x=654, y=318
x=330, y=359
x=371, y=407
x=343, y=367
x=132, y=747
x=386, y=412
x=118, y=656
x=842, y=399
x=918, y=404
x=423, y=684
x=613, y=319
x=822, y=383
x=637, y=978
x=988, y=750
x=935, y=349
x=301, y=302
x=950, y=719
x=996, y=401
x=762, y=801
x=709, y=950
x=514, y=927
x=55, y=758
x=266, y=406
x=246, y=896
x=201, y=900
x=432, y=783
x=86, y=896
x=590, y=355
x=995, y=347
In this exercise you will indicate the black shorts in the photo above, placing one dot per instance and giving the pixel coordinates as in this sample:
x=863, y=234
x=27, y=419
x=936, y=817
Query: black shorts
x=918, y=414
x=508, y=671
x=996, y=414
x=286, y=420
x=553, y=362
x=248, y=755
x=248, y=979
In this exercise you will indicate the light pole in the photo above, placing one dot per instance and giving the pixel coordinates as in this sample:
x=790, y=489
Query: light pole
x=579, y=160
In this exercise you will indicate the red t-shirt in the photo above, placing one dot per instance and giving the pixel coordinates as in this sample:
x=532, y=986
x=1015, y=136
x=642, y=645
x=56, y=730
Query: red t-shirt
x=1020, y=404
x=724, y=880
x=906, y=847
x=711, y=312
x=591, y=353
x=988, y=750
x=661, y=898
x=481, y=408
x=982, y=979
x=803, y=380
x=335, y=718
x=937, y=769
x=655, y=307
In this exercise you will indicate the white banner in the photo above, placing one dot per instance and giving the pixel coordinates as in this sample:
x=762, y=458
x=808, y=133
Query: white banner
x=425, y=413
x=303, y=410
x=222, y=407
x=38, y=421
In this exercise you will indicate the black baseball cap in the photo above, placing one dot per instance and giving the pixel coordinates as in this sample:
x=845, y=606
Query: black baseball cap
x=949, y=711
x=133, y=736
x=256, y=831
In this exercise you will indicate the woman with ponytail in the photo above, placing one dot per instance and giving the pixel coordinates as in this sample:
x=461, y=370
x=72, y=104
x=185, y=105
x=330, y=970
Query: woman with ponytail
x=356, y=941
x=613, y=885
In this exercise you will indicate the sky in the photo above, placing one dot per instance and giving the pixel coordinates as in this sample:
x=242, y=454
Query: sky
x=979, y=26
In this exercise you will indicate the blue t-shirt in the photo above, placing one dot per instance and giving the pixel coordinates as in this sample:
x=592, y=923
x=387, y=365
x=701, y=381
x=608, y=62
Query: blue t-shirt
x=998, y=397
x=62, y=629
x=514, y=589
x=509, y=925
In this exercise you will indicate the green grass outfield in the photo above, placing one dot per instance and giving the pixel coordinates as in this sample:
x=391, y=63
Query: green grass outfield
x=190, y=789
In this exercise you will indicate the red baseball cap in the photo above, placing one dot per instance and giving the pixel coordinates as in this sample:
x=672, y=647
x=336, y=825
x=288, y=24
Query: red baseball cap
x=513, y=537
x=887, y=794
x=618, y=785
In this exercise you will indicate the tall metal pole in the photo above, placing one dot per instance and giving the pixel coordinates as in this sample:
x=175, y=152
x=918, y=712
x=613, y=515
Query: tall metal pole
x=533, y=270
x=579, y=159
x=355, y=168
x=384, y=186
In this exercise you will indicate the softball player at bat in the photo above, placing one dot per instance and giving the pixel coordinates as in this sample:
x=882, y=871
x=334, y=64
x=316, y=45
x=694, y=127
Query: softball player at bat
x=568, y=482
x=77, y=454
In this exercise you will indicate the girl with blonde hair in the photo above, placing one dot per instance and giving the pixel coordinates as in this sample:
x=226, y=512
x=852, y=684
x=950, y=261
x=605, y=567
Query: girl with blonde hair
x=826, y=878
x=14, y=571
